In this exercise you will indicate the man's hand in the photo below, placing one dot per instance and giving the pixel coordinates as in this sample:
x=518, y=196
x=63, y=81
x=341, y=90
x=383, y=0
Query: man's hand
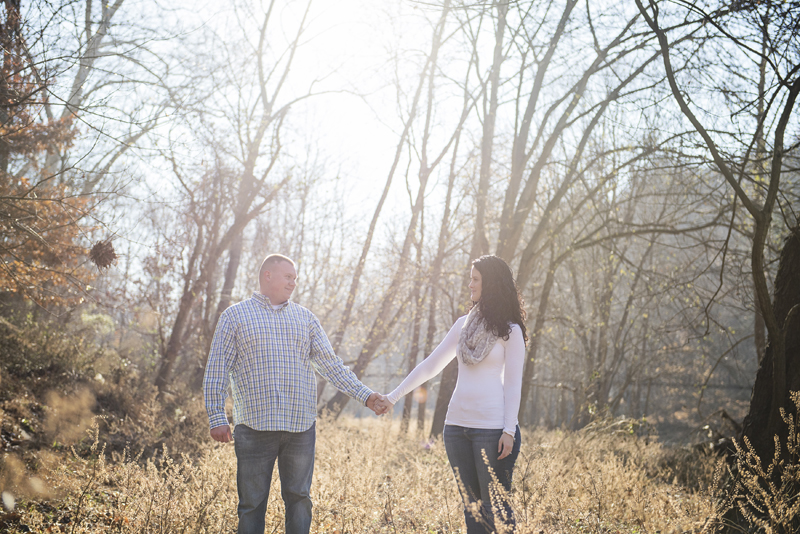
x=378, y=403
x=222, y=433
x=383, y=404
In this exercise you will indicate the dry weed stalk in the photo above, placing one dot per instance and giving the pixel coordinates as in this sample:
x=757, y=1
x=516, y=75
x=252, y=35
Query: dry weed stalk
x=766, y=499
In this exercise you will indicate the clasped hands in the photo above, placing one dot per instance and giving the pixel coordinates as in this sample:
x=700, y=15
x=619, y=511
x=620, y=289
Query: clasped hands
x=378, y=403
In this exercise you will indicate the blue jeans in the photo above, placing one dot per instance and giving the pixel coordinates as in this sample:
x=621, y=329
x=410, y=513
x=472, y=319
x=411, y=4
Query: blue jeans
x=485, y=508
x=256, y=452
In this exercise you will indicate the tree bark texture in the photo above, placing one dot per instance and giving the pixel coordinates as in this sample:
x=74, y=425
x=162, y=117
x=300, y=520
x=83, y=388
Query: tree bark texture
x=446, y=387
x=760, y=424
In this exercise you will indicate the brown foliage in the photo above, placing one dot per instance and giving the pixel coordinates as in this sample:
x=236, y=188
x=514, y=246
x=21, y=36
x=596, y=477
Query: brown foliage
x=40, y=216
x=40, y=251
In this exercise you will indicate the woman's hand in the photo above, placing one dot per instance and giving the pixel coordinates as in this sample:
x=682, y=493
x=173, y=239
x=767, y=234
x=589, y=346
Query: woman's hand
x=379, y=404
x=505, y=446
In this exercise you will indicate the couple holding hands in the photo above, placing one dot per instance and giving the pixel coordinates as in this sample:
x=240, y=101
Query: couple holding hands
x=268, y=347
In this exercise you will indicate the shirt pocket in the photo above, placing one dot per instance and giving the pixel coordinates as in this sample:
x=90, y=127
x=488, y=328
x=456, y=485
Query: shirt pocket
x=298, y=341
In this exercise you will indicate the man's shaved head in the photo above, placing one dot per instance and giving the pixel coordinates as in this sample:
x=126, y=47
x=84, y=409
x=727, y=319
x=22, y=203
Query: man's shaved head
x=272, y=260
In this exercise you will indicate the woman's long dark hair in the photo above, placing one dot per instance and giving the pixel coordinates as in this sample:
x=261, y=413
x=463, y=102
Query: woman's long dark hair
x=500, y=304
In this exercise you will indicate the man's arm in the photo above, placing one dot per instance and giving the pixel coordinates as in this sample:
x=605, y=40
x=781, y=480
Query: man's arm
x=333, y=369
x=221, y=357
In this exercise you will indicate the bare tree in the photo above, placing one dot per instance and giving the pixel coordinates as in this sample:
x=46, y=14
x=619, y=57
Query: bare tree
x=761, y=37
x=256, y=114
x=549, y=89
x=387, y=314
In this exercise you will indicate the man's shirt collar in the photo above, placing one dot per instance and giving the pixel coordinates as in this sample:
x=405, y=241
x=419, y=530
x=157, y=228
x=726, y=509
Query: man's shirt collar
x=263, y=300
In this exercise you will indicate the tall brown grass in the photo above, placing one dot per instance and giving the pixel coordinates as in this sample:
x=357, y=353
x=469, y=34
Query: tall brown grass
x=369, y=478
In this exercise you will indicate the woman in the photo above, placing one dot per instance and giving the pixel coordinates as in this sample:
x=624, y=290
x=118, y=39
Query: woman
x=481, y=423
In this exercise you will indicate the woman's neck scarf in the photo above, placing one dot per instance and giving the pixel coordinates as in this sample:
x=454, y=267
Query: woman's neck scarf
x=475, y=341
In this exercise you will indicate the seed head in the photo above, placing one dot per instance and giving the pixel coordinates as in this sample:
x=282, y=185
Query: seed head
x=103, y=254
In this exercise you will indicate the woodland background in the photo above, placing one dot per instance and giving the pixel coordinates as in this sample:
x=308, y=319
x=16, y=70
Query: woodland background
x=636, y=163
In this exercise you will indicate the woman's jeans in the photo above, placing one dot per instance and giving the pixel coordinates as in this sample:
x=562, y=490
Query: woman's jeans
x=486, y=505
x=256, y=452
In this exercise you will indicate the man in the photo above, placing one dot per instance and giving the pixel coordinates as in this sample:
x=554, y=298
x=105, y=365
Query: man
x=266, y=347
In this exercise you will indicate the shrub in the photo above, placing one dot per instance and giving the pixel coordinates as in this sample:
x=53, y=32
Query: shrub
x=752, y=497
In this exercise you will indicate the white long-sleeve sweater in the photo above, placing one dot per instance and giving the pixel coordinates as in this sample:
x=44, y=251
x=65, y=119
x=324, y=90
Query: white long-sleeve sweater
x=487, y=394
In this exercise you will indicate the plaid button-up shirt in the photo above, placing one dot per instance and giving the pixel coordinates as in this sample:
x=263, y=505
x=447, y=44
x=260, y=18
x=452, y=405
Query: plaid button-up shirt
x=267, y=355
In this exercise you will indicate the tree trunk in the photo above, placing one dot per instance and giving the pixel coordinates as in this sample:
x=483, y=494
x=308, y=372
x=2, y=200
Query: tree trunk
x=10, y=42
x=446, y=387
x=226, y=294
x=191, y=288
x=533, y=343
x=431, y=333
x=172, y=352
x=760, y=327
x=480, y=242
x=234, y=259
x=760, y=333
x=761, y=425
x=414, y=348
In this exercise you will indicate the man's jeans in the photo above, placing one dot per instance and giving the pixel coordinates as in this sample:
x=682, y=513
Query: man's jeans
x=256, y=452
x=465, y=449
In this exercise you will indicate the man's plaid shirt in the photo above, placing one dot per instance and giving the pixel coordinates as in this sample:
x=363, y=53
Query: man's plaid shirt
x=267, y=355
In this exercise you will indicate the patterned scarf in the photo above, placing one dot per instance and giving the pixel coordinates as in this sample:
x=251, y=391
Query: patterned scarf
x=475, y=341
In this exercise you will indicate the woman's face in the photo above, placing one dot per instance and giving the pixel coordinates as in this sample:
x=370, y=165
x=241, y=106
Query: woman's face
x=475, y=285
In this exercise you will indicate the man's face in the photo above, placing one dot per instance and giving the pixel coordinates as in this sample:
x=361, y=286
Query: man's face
x=279, y=282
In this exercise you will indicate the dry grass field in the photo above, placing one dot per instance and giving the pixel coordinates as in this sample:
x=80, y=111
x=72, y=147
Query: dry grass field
x=368, y=478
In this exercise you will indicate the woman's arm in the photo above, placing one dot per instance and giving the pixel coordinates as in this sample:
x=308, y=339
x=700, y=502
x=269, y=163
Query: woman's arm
x=512, y=379
x=430, y=366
